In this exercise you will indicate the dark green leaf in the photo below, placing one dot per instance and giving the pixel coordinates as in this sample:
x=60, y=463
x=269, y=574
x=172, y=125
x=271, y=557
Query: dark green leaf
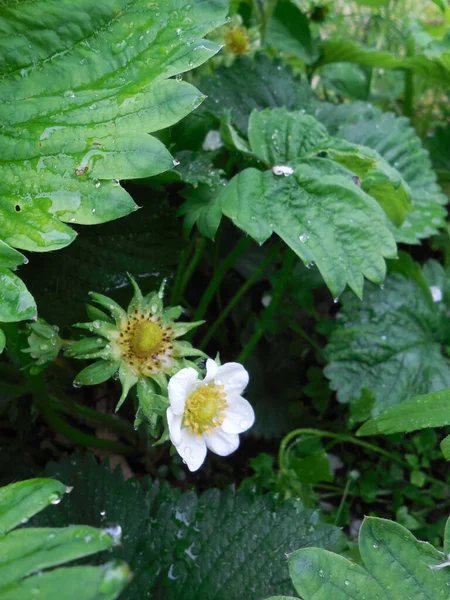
x=396, y=566
x=390, y=344
x=184, y=546
x=396, y=141
x=254, y=85
x=321, y=214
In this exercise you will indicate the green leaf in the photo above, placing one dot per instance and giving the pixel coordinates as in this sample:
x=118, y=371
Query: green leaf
x=205, y=182
x=445, y=447
x=288, y=31
x=346, y=80
x=26, y=552
x=9, y=257
x=278, y=136
x=77, y=106
x=88, y=583
x=20, y=501
x=321, y=214
x=377, y=177
x=396, y=566
x=335, y=51
x=2, y=341
x=396, y=141
x=432, y=410
x=184, y=545
x=390, y=344
x=16, y=302
x=254, y=85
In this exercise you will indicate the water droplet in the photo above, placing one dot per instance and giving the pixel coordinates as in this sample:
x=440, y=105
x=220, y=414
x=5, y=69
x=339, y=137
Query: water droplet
x=321, y=574
x=69, y=488
x=304, y=237
x=375, y=546
x=93, y=210
x=346, y=582
x=176, y=162
x=76, y=384
x=54, y=498
x=69, y=94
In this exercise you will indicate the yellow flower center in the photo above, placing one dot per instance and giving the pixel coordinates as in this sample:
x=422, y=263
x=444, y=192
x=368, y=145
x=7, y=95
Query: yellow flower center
x=147, y=337
x=237, y=41
x=146, y=344
x=204, y=409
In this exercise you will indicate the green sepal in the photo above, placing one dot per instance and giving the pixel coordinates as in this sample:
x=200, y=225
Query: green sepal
x=137, y=299
x=95, y=314
x=2, y=341
x=150, y=403
x=108, y=330
x=85, y=347
x=128, y=379
x=161, y=379
x=115, y=309
x=182, y=349
x=96, y=373
x=172, y=314
x=182, y=328
x=164, y=438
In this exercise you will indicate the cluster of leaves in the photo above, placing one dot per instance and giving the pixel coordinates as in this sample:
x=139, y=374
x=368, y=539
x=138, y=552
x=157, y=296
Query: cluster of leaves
x=28, y=555
x=297, y=180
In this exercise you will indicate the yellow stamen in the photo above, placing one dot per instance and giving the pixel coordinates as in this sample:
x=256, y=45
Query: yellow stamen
x=204, y=409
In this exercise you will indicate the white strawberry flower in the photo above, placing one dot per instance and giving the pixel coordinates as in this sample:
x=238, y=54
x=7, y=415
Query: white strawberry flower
x=208, y=414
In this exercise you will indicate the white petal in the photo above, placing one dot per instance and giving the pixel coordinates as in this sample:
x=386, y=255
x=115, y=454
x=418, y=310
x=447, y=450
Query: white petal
x=192, y=449
x=233, y=376
x=222, y=443
x=180, y=386
x=174, y=422
x=211, y=369
x=239, y=416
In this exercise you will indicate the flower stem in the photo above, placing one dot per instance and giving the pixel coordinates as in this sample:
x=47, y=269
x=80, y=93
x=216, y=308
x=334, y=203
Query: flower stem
x=238, y=295
x=200, y=247
x=184, y=257
x=215, y=282
x=302, y=333
x=341, y=437
x=286, y=270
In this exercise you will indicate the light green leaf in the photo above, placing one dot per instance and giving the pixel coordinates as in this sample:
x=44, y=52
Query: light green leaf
x=181, y=545
x=28, y=551
x=397, y=142
x=321, y=214
x=9, y=257
x=378, y=178
x=16, y=302
x=25, y=553
x=432, y=410
x=335, y=51
x=74, y=583
x=396, y=566
x=445, y=447
x=390, y=344
x=278, y=136
x=20, y=501
x=288, y=32
x=201, y=195
x=77, y=104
